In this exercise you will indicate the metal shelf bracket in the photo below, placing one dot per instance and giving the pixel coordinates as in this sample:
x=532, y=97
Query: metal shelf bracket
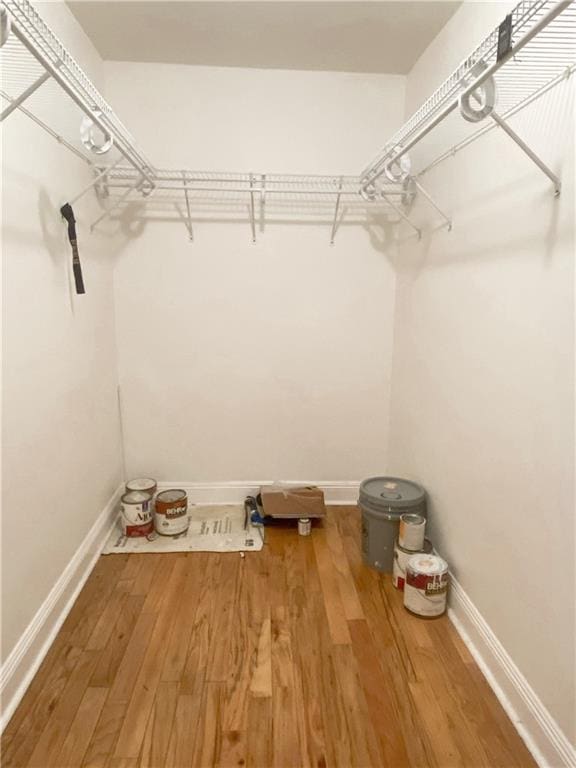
x=336, y=210
x=430, y=199
x=531, y=154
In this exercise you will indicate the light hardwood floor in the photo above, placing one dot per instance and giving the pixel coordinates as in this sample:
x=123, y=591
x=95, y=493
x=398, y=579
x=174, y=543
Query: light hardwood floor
x=294, y=656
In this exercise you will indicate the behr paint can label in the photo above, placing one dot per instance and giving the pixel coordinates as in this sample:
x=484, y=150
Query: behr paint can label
x=426, y=585
x=171, y=512
x=136, y=514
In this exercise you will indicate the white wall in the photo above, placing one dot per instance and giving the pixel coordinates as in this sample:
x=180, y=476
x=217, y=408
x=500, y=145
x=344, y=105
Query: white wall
x=265, y=361
x=483, y=378
x=61, y=439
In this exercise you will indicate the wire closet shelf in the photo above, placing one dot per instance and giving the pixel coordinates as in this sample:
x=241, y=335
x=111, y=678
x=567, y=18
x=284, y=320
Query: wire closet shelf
x=541, y=53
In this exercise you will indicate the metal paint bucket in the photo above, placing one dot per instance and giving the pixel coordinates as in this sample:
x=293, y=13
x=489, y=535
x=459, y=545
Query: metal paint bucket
x=171, y=512
x=401, y=557
x=411, y=532
x=143, y=484
x=426, y=585
x=136, y=514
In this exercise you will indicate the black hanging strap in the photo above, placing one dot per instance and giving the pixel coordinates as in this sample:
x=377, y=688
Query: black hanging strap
x=68, y=214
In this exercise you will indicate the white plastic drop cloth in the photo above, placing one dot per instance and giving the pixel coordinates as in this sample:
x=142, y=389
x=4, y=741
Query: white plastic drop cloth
x=212, y=529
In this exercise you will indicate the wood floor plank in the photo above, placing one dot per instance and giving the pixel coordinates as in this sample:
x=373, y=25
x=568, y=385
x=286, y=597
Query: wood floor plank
x=113, y=653
x=381, y=699
x=133, y=729
x=285, y=736
x=82, y=728
x=346, y=586
x=208, y=744
x=297, y=656
x=233, y=749
x=217, y=668
x=129, y=667
x=242, y=650
x=105, y=736
x=50, y=743
x=332, y=599
x=261, y=679
x=184, y=730
x=159, y=728
x=178, y=641
x=26, y=726
x=259, y=734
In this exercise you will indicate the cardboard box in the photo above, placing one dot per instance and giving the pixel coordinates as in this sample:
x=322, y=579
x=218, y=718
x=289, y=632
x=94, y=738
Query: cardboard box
x=282, y=501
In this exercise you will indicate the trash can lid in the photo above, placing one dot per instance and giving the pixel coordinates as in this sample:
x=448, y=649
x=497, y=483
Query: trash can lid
x=386, y=492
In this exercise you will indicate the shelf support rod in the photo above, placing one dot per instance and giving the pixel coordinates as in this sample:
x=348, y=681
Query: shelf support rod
x=402, y=215
x=15, y=103
x=94, y=181
x=428, y=197
x=120, y=200
x=189, y=224
x=336, y=209
x=50, y=132
x=262, y=201
x=532, y=155
x=252, y=214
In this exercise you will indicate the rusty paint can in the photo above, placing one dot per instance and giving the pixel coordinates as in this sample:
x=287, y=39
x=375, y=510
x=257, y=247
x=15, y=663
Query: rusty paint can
x=426, y=585
x=171, y=512
x=143, y=484
x=401, y=557
x=136, y=514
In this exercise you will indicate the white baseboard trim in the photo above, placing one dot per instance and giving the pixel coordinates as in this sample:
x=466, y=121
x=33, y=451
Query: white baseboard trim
x=24, y=660
x=335, y=492
x=540, y=732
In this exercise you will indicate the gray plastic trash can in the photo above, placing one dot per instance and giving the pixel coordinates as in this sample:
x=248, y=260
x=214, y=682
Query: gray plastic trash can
x=382, y=501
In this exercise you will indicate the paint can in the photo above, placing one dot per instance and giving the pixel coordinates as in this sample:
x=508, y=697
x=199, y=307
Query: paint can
x=143, y=484
x=426, y=585
x=136, y=514
x=304, y=526
x=411, y=532
x=171, y=513
x=401, y=557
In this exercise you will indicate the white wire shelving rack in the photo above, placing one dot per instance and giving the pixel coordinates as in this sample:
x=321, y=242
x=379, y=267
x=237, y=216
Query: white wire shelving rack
x=37, y=69
x=541, y=54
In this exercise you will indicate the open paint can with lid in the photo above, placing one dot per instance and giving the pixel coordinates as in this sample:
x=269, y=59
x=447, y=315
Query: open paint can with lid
x=171, y=513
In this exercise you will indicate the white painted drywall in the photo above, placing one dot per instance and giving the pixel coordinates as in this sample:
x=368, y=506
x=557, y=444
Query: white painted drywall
x=61, y=439
x=243, y=361
x=483, y=378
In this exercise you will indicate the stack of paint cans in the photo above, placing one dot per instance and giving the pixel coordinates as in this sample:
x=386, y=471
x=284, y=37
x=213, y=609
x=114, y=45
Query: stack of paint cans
x=143, y=510
x=411, y=540
x=421, y=575
x=137, y=507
